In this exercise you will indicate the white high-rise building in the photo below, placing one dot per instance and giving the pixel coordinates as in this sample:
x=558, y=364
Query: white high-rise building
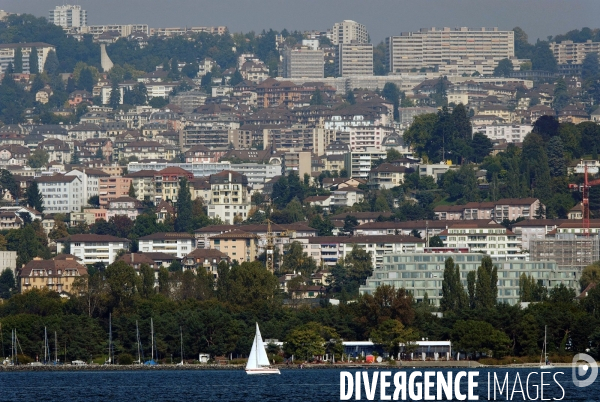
x=68, y=16
x=459, y=50
x=355, y=59
x=303, y=63
x=349, y=31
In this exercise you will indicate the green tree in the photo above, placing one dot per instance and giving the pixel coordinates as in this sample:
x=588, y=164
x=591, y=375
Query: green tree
x=534, y=166
x=391, y=333
x=504, y=68
x=303, y=344
x=122, y=283
x=420, y=132
x=7, y=284
x=183, y=221
x=114, y=99
x=34, y=197
x=18, y=64
x=454, y=297
x=51, y=65
x=38, y=158
x=542, y=57
x=316, y=98
x=479, y=337
x=350, y=98
x=296, y=260
x=146, y=281
x=131, y=192
x=436, y=241
x=590, y=66
x=486, y=287
x=86, y=80
x=34, y=67
x=590, y=274
x=556, y=157
x=482, y=146
x=471, y=283
x=8, y=184
x=392, y=93
x=59, y=230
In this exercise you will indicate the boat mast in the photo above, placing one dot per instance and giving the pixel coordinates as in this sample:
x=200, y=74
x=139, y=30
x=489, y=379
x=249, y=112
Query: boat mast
x=137, y=334
x=109, y=337
x=181, y=334
x=152, y=338
x=55, y=348
x=45, y=345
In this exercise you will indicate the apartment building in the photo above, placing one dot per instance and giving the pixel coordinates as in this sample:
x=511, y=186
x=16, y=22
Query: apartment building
x=354, y=59
x=229, y=200
x=68, y=16
x=506, y=208
x=205, y=258
x=166, y=183
x=347, y=196
x=367, y=137
x=92, y=248
x=511, y=133
x=421, y=273
x=299, y=137
x=358, y=163
x=120, y=30
x=57, y=275
x=212, y=131
x=386, y=176
x=110, y=188
x=61, y=193
x=348, y=31
x=329, y=249
x=144, y=150
x=237, y=244
x=434, y=49
x=481, y=236
x=143, y=184
x=302, y=62
x=176, y=244
x=568, y=52
x=8, y=51
x=126, y=206
x=298, y=162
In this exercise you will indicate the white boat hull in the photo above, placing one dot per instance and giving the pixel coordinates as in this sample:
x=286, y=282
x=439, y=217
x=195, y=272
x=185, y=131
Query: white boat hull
x=545, y=367
x=263, y=371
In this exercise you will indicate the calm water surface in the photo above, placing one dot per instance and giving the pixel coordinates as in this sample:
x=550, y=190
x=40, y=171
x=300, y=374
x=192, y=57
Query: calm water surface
x=209, y=385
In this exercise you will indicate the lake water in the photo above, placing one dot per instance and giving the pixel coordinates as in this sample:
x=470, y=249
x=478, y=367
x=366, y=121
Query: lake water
x=226, y=385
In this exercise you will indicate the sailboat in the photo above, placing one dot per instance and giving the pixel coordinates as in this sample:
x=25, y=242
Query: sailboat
x=181, y=335
x=258, y=361
x=151, y=362
x=544, y=363
x=137, y=335
x=110, y=351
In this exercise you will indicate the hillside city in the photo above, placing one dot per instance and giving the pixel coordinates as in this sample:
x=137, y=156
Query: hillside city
x=439, y=186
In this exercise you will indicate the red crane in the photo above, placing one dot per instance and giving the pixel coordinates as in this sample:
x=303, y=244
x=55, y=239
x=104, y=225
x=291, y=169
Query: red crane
x=585, y=191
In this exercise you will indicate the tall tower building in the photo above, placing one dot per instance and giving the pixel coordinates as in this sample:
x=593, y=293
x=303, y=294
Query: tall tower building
x=349, y=31
x=68, y=16
x=302, y=62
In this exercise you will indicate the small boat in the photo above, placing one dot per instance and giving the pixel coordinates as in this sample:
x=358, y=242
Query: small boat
x=544, y=362
x=258, y=361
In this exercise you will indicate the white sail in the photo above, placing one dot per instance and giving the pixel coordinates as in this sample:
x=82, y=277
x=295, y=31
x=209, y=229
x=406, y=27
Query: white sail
x=258, y=356
x=263, y=359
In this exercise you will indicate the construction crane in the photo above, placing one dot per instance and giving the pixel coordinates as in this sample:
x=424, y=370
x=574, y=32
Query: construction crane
x=585, y=192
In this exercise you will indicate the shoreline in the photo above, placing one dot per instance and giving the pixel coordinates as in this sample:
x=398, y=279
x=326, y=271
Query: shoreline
x=188, y=367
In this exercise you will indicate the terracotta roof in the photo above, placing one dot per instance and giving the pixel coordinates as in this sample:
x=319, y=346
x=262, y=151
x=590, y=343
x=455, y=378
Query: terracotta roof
x=235, y=234
x=60, y=257
x=93, y=237
x=136, y=258
x=142, y=173
x=207, y=253
x=364, y=239
x=57, y=178
x=167, y=235
x=54, y=265
x=316, y=198
x=362, y=215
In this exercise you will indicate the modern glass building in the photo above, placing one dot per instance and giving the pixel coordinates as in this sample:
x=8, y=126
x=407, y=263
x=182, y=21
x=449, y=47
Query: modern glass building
x=421, y=273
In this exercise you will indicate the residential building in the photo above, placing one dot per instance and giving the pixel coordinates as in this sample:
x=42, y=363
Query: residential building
x=423, y=273
x=459, y=50
x=92, y=248
x=347, y=196
x=329, y=249
x=229, y=200
x=206, y=258
x=127, y=206
x=68, y=16
x=144, y=150
x=298, y=162
x=435, y=170
x=355, y=59
x=511, y=133
x=506, y=208
x=386, y=176
x=8, y=51
x=143, y=184
x=110, y=188
x=8, y=260
x=302, y=62
x=61, y=193
x=358, y=163
x=237, y=244
x=177, y=244
x=58, y=275
x=482, y=236
x=348, y=31
x=166, y=182
x=10, y=220
x=568, y=52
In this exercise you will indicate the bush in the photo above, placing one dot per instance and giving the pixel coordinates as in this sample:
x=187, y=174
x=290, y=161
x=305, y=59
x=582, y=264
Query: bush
x=24, y=359
x=125, y=359
x=238, y=361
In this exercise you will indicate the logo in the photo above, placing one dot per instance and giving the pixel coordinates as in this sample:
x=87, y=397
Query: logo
x=581, y=370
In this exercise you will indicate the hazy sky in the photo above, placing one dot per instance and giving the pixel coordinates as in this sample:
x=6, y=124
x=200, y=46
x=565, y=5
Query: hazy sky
x=539, y=18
